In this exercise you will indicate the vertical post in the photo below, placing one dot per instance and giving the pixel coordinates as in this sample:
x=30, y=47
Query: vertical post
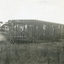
x=34, y=30
x=13, y=29
x=45, y=31
x=28, y=30
x=39, y=30
x=16, y=28
x=9, y=30
x=24, y=31
x=60, y=32
x=54, y=32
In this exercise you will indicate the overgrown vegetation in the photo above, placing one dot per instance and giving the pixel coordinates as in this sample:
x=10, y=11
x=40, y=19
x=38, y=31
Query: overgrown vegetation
x=33, y=53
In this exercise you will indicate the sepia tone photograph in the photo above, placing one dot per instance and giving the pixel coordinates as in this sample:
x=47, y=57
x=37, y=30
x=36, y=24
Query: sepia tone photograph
x=31, y=31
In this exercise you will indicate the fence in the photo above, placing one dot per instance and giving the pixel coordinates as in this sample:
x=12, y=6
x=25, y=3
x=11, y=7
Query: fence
x=35, y=30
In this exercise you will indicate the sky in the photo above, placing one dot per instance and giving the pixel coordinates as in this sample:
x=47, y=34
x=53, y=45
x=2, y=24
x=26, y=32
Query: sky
x=46, y=10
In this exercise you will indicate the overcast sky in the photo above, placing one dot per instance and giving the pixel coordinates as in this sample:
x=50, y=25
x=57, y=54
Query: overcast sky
x=47, y=10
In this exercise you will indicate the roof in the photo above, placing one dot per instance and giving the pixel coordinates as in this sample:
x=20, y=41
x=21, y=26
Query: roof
x=32, y=20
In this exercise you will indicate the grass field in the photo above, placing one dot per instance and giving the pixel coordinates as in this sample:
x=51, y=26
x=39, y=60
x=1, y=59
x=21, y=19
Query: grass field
x=31, y=53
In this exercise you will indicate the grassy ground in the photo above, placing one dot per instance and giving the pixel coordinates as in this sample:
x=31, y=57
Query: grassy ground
x=31, y=53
